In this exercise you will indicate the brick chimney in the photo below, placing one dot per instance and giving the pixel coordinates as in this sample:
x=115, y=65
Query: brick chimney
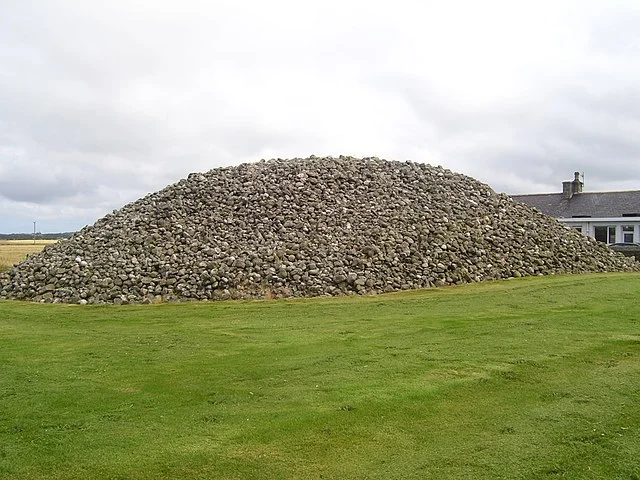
x=571, y=188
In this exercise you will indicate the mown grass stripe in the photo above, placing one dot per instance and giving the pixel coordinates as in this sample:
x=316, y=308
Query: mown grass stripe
x=531, y=378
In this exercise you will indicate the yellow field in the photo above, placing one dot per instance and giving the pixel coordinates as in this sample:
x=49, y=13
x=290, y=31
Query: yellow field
x=14, y=251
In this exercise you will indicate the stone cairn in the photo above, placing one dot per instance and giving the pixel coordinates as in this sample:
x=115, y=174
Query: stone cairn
x=305, y=228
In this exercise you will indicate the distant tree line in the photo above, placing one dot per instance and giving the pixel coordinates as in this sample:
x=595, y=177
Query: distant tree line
x=38, y=236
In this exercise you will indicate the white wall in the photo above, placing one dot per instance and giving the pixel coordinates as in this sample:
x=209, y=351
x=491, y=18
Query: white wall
x=588, y=226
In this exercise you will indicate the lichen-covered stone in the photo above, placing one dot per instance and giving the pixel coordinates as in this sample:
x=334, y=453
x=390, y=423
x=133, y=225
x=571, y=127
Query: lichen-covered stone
x=305, y=227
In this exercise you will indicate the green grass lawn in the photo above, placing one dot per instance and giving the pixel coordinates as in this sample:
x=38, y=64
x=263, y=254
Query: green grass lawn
x=530, y=378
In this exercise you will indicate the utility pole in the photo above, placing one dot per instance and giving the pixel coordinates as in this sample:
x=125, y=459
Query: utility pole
x=34, y=232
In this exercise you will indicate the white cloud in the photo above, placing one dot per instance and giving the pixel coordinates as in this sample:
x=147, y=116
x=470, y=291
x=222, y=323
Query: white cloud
x=101, y=104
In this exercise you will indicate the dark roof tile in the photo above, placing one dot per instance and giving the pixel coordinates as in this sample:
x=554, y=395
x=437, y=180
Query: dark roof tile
x=590, y=204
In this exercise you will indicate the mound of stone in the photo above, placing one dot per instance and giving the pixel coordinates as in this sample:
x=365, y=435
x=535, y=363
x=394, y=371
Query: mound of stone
x=304, y=228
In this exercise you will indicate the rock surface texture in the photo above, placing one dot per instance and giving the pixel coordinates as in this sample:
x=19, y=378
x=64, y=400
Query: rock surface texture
x=305, y=227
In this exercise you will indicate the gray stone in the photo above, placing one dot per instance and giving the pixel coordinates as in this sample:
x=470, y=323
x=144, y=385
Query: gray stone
x=305, y=227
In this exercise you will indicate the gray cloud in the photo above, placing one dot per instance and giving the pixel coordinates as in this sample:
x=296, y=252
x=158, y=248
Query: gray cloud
x=102, y=104
x=38, y=189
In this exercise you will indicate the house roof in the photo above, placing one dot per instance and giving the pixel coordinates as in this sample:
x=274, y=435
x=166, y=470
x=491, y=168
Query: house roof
x=589, y=204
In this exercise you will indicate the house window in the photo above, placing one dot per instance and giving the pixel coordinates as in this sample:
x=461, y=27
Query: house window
x=627, y=233
x=605, y=234
x=578, y=229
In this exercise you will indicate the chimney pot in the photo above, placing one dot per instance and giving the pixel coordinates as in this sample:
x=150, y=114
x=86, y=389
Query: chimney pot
x=570, y=188
x=576, y=185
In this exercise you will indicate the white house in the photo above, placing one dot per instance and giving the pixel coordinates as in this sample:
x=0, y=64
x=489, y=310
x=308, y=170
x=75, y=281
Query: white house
x=609, y=217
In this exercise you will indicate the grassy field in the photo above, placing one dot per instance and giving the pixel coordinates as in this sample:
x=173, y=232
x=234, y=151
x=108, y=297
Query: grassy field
x=534, y=378
x=14, y=251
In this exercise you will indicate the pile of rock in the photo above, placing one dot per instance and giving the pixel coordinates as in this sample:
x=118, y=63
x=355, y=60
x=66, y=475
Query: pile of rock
x=305, y=227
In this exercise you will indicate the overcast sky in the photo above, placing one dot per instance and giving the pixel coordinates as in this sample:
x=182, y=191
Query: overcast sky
x=102, y=102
